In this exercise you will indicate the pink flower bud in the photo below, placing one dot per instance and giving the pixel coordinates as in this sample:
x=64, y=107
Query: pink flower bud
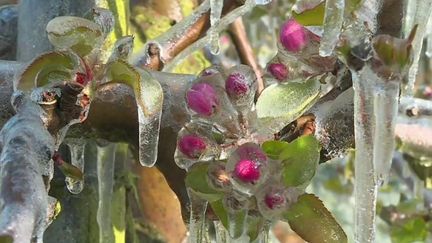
x=192, y=146
x=247, y=171
x=293, y=36
x=236, y=86
x=278, y=70
x=202, y=99
x=274, y=200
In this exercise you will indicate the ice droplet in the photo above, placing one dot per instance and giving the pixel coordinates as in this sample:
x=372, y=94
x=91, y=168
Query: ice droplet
x=77, y=148
x=333, y=20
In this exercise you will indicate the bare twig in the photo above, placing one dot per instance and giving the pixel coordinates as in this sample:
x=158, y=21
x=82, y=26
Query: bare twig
x=241, y=41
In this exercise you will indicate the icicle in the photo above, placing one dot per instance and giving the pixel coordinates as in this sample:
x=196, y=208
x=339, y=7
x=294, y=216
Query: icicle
x=365, y=187
x=422, y=14
x=149, y=118
x=197, y=218
x=222, y=235
x=333, y=19
x=215, y=14
x=385, y=111
x=429, y=38
x=77, y=148
x=105, y=173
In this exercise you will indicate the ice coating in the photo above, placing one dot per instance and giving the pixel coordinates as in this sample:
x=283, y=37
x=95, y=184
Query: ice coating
x=215, y=14
x=192, y=146
x=202, y=99
x=77, y=148
x=105, y=175
x=240, y=85
x=333, y=20
x=278, y=70
x=293, y=36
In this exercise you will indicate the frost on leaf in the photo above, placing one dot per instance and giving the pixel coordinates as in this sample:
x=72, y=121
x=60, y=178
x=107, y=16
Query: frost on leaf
x=49, y=68
x=75, y=33
x=280, y=104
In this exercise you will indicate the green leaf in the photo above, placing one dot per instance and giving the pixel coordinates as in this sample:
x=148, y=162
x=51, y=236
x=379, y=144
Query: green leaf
x=75, y=33
x=280, y=104
x=71, y=171
x=311, y=220
x=274, y=148
x=415, y=230
x=51, y=67
x=311, y=17
x=300, y=161
x=219, y=210
x=196, y=179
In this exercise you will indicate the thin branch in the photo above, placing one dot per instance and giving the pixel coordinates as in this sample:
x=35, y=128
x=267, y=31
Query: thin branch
x=241, y=41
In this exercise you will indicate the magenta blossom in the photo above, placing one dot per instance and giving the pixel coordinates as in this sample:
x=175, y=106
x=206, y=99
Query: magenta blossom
x=293, y=36
x=192, y=146
x=236, y=86
x=274, y=200
x=202, y=99
x=278, y=70
x=247, y=171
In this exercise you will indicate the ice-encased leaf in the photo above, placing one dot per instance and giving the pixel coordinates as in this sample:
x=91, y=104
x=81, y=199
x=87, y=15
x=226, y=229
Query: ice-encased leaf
x=311, y=17
x=237, y=210
x=48, y=68
x=254, y=226
x=149, y=98
x=300, y=161
x=274, y=148
x=75, y=33
x=197, y=180
x=280, y=104
x=219, y=210
x=311, y=220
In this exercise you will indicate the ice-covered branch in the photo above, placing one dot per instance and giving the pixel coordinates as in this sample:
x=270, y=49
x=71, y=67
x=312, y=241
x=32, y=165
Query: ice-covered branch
x=415, y=107
x=26, y=149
